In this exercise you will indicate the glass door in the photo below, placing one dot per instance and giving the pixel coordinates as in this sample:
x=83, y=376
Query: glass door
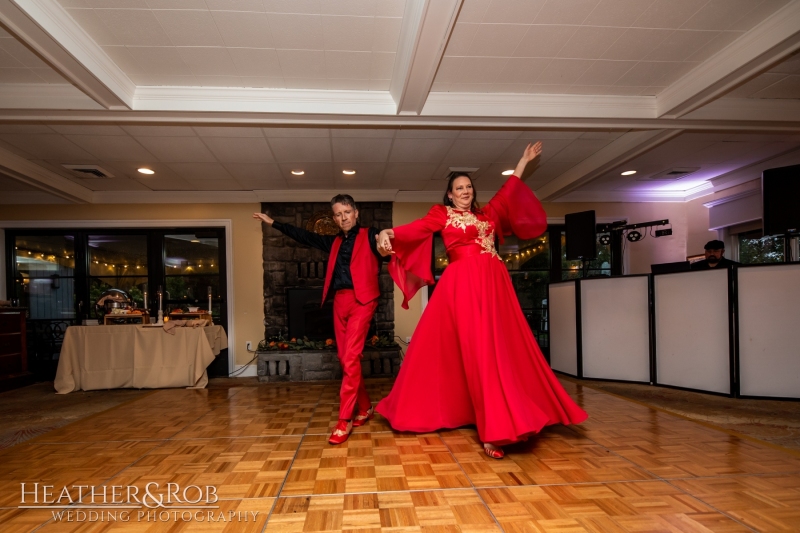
x=117, y=261
x=61, y=274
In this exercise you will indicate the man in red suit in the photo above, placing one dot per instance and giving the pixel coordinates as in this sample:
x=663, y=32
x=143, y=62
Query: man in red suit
x=352, y=275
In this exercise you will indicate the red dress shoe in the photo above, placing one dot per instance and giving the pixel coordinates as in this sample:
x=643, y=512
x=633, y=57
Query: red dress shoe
x=363, y=417
x=494, y=452
x=341, y=431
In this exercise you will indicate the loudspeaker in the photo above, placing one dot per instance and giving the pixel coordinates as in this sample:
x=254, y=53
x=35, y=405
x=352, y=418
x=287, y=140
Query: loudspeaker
x=780, y=190
x=581, y=236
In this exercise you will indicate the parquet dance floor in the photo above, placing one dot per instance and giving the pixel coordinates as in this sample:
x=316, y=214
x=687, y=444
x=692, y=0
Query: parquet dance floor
x=264, y=450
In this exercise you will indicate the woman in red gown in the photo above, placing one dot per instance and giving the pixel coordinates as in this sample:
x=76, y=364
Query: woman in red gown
x=473, y=358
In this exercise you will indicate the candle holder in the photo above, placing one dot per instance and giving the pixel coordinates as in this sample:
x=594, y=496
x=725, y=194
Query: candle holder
x=160, y=307
x=209, y=299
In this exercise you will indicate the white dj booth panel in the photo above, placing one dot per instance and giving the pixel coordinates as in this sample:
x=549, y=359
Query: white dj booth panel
x=769, y=349
x=615, y=329
x=692, y=330
x=563, y=327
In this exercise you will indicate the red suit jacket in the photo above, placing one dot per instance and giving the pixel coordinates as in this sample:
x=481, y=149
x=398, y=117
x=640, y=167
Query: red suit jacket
x=364, y=268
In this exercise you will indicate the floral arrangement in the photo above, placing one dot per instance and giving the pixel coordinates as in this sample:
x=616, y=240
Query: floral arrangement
x=280, y=343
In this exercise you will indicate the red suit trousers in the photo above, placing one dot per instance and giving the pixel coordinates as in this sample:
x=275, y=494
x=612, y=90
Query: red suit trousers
x=351, y=324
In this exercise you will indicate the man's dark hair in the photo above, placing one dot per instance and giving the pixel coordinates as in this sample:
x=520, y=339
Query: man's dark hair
x=344, y=199
x=714, y=245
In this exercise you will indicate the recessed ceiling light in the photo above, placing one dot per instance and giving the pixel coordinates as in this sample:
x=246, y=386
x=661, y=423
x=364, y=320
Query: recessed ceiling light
x=629, y=173
x=507, y=172
x=298, y=172
x=146, y=171
x=348, y=172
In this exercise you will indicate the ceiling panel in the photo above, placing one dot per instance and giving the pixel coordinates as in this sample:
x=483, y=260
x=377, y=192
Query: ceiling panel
x=196, y=172
x=242, y=150
x=177, y=149
x=245, y=43
x=656, y=41
x=361, y=149
x=312, y=150
x=419, y=150
x=112, y=148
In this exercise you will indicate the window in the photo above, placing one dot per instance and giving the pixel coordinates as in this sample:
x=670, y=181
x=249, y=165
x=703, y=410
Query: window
x=755, y=248
x=44, y=275
x=533, y=263
x=117, y=262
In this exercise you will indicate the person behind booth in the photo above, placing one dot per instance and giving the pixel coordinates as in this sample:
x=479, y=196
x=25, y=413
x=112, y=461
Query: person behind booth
x=714, y=252
x=352, y=275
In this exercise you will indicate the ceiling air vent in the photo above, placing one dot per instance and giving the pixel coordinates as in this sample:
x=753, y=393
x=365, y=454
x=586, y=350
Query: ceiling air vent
x=671, y=174
x=89, y=171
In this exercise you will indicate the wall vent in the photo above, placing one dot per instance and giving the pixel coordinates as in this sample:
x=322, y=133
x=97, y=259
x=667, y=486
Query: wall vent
x=670, y=174
x=89, y=171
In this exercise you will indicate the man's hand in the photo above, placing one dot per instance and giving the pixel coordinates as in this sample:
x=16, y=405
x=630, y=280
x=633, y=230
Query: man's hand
x=384, y=240
x=263, y=218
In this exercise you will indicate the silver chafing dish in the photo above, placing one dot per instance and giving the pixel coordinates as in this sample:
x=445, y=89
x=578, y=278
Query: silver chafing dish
x=110, y=300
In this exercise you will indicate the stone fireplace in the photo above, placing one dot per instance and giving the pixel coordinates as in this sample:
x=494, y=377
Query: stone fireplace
x=293, y=279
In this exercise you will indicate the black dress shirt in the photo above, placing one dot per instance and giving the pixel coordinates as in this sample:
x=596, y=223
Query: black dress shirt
x=342, y=278
x=703, y=265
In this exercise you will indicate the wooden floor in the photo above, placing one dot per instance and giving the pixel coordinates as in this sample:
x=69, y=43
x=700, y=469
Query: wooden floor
x=629, y=468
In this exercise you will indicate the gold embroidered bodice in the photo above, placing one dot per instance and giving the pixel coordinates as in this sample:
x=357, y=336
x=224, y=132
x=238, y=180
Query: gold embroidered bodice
x=477, y=231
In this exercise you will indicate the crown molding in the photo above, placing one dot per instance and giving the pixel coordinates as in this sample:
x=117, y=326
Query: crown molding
x=769, y=42
x=70, y=50
x=703, y=189
x=254, y=100
x=386, y=120
x=426, y=28
x=44, y=96
x=753, y=171
x=733, y=197
x=540, y=105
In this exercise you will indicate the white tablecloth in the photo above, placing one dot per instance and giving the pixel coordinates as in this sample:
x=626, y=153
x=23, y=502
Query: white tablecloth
x=110, y=357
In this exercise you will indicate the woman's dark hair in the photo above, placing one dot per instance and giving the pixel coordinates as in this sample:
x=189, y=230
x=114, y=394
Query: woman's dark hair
x=475, y=207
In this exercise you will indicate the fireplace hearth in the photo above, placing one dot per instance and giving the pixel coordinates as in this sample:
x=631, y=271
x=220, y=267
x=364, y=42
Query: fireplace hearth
x=293, y=279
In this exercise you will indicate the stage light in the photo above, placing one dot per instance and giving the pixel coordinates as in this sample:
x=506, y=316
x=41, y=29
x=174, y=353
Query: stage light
x=634, y=236
x=605, y=240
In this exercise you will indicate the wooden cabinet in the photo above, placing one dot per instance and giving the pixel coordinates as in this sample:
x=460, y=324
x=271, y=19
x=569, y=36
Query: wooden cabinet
x=13, y=347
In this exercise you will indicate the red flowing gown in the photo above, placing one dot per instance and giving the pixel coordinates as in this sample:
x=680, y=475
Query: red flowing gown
x=473, y=358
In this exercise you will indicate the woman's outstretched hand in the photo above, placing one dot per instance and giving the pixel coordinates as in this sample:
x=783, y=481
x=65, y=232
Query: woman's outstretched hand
x=532, y=151
x=263, y=218
x=384, y=240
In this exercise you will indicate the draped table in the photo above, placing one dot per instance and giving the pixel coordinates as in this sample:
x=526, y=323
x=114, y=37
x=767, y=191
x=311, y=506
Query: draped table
x=133, y=356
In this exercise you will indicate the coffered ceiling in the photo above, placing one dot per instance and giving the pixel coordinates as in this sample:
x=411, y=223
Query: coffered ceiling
x=223, y=99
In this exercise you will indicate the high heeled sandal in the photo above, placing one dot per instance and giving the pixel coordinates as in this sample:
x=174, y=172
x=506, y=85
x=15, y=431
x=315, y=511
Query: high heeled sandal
x=494, y=453
x=363, y=417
